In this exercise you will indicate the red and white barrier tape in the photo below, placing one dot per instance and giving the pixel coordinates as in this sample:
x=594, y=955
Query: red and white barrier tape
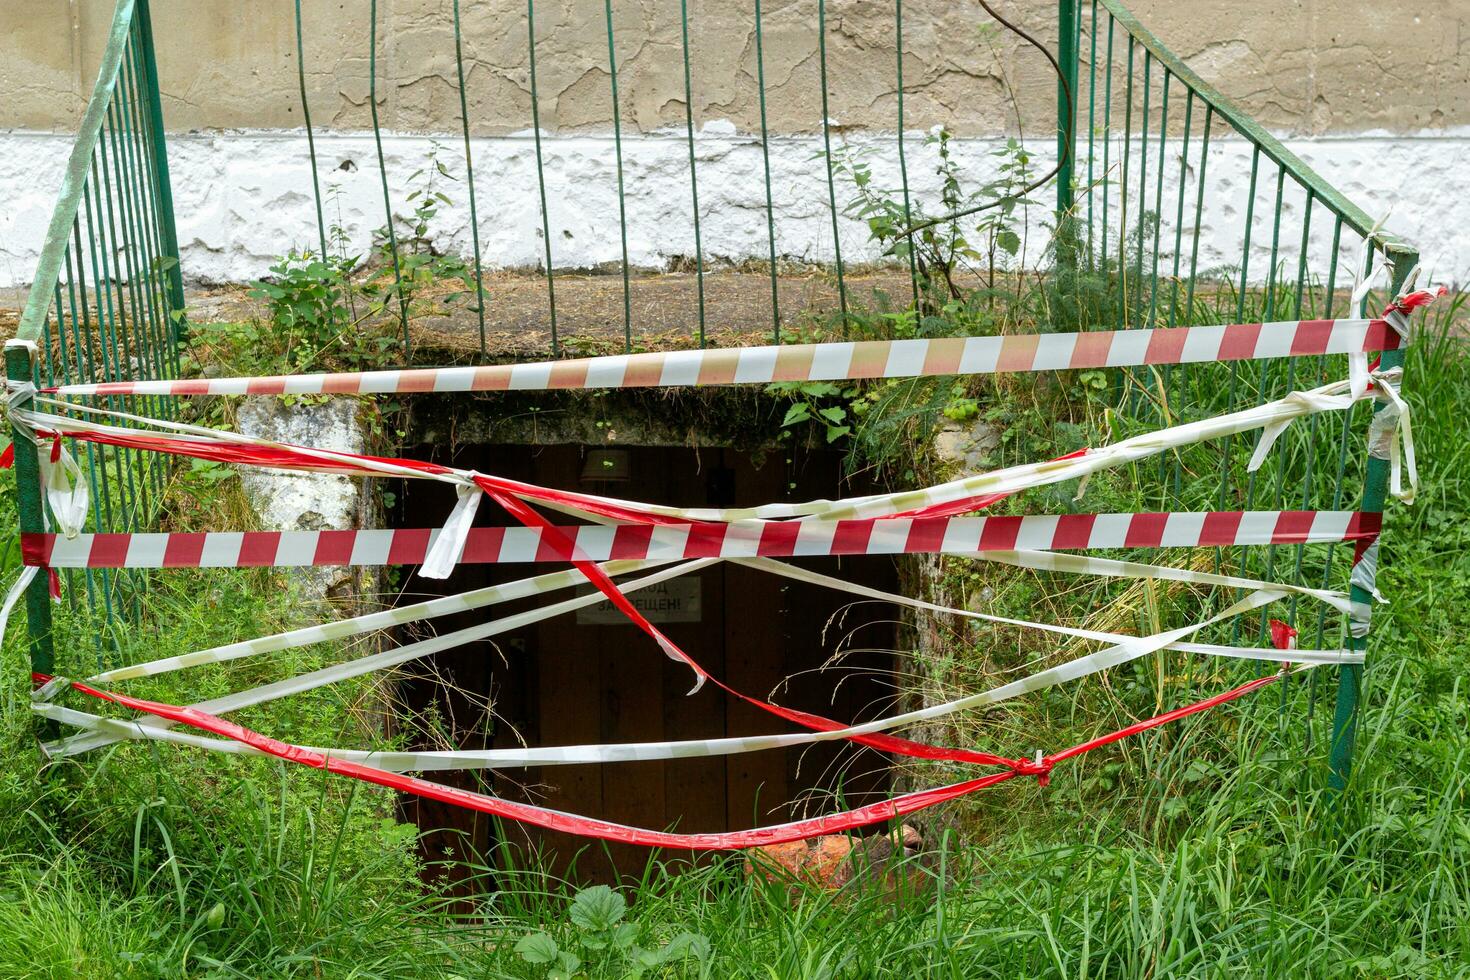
x=957, y=495
x=917, y=521
x=821, y=362
x=1125, y=649
x=606, y=830
x=541, y=585
x=672, y=542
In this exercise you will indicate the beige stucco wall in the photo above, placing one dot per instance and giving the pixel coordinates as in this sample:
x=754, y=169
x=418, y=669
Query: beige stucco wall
x=1306, y=66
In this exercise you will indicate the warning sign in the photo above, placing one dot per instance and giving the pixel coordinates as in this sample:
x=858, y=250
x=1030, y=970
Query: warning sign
x=675, y=601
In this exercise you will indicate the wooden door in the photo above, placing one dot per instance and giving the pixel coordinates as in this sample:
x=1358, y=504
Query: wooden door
x=601, y=679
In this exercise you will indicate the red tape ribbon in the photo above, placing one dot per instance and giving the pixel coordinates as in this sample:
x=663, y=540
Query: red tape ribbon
x=833, y=823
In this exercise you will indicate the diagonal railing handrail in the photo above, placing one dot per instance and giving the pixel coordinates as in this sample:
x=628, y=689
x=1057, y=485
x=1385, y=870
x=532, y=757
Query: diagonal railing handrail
x=74, y=180
x=1353, y=216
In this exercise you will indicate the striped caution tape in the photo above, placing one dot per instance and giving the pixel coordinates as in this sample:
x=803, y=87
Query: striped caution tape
x=1127, y=649
x=1271, y=418
x=588, y=827
x=672, y=542
x=541, y=585
x=820, y=362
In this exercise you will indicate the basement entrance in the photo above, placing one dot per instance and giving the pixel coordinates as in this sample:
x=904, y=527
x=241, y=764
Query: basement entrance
x=591, y=676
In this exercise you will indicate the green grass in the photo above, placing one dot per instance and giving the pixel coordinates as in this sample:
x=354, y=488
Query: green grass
x=1204, y=849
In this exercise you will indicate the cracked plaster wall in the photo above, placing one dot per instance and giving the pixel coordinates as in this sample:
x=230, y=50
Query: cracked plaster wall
x=1306, y=66
x=1314, y=68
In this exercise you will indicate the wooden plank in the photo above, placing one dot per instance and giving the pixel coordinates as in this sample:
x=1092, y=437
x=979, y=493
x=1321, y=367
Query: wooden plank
x=694, y=790
x=569, y=695
x=755, y=781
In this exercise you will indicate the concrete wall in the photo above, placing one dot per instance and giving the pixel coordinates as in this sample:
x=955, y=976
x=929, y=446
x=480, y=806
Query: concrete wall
x=1375, y=96
x=1304, y=66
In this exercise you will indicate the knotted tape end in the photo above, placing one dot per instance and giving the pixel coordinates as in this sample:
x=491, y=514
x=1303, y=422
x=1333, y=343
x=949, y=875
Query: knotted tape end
x=1039, y=766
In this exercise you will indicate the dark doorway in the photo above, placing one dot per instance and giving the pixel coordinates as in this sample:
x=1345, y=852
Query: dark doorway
x=593, y=677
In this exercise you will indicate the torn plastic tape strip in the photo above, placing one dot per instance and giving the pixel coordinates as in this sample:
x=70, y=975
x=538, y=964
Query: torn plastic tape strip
x=746, y=539
x=1400, y=446
x=868, y=733
x=1409, y=302
x=341, y=629
x=1054, y=561
x=1283, y=635
x=819, y=362
x=17, y=589
x=232, y=447
x=66, y=489
x=589, y=827
x=448, y=546
x=1364, y=580
x=877, y=595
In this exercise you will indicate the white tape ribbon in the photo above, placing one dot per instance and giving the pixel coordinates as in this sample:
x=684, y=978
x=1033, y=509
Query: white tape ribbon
x=391, y=658
x=1121, y=653
x=448, y=546
x=1394, y=416
x=17, y=589
x=342, y=629
x=1364, y=576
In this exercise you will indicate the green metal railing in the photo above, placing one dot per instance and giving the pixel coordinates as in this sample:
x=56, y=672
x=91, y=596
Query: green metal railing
x=1144, y=148
x=107, y=299
x=1144, y=182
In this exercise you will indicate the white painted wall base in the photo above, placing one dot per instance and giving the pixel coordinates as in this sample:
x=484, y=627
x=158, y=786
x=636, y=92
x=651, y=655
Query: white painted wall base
x=243, y=198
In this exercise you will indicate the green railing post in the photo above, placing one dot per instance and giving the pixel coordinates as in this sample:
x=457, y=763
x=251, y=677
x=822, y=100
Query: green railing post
x=20, y=367
x=1068, y=26
x=163, y=189
x=1401, y=259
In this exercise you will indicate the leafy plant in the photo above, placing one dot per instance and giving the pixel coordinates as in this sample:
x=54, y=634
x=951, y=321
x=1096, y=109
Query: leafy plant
x=409, y=265
x=307, y=296
x=602, y=944
x=940, y=247
x=816, y=401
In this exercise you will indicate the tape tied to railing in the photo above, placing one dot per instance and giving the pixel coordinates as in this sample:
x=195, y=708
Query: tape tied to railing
x=833, y=361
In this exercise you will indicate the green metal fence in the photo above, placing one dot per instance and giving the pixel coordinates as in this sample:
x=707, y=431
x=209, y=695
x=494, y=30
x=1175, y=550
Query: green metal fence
x=107, y=298
x=1139, y=191
x=1140, y=142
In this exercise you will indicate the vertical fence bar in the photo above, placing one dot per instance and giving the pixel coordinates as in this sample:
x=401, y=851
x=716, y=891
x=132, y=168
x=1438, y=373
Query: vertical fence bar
x=162, y=188
x=693, y=168
x=469, y=169
x=1091, y=123
x=1153, y=277
x=20, y=368
x=541, y=170
x=827, y=158
x=760, y=83
x=1148, y=62
x=316, y=186
x=1107, y=145
x=903, y=165
x=1067, y=29
x=1401, y=260
x=612, y=71
x=383, y=176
